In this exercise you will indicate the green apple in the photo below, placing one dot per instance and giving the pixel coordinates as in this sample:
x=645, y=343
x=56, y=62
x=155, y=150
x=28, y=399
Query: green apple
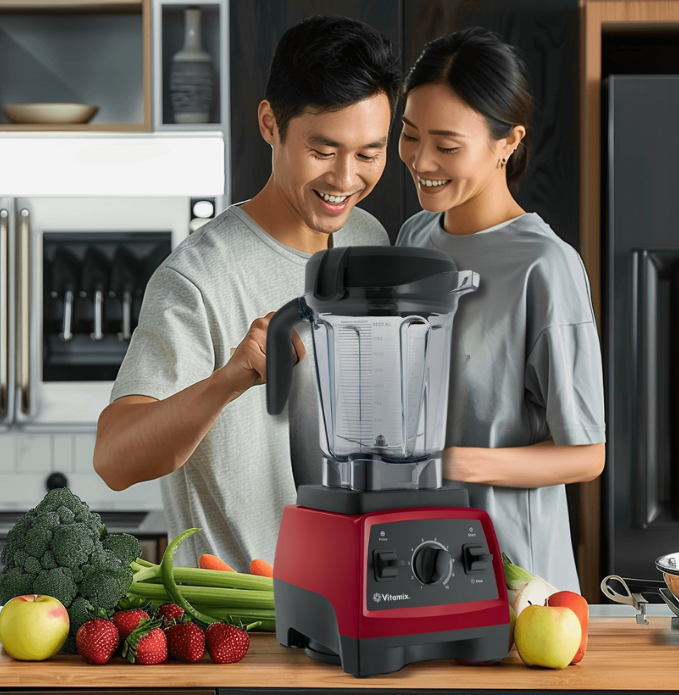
x=547, y=636
x=33, y=627
x=580, y=607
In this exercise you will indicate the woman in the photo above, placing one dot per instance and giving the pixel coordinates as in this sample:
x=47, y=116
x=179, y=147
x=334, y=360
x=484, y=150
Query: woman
x=526, y=408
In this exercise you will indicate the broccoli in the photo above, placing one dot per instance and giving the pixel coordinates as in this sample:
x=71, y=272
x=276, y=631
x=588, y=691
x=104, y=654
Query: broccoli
x=20, y=558
x=104, y=587
x=79, y=612
x=36, y=541
x=56, y=583
x=15, y=582
x=32, y=566
x=124, y=546
x=47, y=560
x=66, y=516
x=72, y=545
x=62, y=549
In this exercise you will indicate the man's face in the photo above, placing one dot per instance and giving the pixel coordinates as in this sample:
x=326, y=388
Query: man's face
x=329, y=161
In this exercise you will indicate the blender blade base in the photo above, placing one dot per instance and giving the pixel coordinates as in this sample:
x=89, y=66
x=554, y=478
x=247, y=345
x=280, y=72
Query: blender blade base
x=319, y=652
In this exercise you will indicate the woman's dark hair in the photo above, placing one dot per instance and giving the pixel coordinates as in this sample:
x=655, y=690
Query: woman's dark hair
x=326, y=63
x=489, y=76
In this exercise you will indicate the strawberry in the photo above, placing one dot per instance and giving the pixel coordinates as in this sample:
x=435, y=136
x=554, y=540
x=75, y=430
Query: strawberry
x=146, y=644
x=186, y=642
x=226, y=643
x=127, y=621
x=96, y=640
x=170, y=612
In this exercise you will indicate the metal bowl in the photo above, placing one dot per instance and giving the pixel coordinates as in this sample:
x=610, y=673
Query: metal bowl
x=669, y=566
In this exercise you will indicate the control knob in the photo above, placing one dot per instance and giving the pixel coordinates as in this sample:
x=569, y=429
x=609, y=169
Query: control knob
x=432, y=563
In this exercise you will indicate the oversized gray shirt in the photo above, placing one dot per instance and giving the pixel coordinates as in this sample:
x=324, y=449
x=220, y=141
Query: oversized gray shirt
x=200, y=303
x=525, y=366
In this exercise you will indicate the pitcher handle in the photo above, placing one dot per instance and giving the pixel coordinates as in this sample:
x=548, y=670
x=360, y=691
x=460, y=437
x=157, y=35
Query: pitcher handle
x=279, y=357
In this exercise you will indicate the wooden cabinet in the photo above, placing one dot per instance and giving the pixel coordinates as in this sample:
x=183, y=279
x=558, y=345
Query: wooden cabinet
x=94, y=52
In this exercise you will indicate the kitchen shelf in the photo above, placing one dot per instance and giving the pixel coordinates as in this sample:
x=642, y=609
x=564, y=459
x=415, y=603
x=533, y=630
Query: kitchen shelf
x=169, y=28
x=94, y=51
x=71, y=5
x=168, y=32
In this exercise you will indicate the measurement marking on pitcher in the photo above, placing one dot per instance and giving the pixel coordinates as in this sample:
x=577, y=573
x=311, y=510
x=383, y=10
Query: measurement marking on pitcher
x=355, y=367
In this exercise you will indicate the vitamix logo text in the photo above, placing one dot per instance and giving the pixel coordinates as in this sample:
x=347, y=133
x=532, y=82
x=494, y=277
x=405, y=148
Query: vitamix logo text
x=390, y=597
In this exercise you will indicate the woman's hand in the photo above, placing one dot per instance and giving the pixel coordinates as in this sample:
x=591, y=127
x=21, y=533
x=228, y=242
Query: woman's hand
x=538, y=465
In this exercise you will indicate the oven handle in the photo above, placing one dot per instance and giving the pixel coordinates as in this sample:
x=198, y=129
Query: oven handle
x=25, y=309
x=4, y=308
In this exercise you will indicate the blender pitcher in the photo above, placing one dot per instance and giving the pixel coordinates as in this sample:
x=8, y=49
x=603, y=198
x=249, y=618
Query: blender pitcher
x=381, y=320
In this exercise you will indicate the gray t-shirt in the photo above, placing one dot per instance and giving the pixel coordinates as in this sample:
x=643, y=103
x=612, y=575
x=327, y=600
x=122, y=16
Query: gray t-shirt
x=525, y=366
x=200, y=303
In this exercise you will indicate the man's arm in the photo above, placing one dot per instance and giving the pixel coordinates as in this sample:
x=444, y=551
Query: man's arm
x=538, y=465
x=142, y=438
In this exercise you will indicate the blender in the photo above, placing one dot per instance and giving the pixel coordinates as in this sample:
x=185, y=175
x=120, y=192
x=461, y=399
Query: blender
x=382, y=565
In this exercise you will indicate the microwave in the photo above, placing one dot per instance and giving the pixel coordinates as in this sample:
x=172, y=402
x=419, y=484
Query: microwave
x=72, y=278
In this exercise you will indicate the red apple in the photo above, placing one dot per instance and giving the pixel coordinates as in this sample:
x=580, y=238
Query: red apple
x=33, y=627
x=579, y=606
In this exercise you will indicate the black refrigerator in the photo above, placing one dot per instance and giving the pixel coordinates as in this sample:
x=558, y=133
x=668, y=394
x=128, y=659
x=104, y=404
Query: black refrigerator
x=640, y=321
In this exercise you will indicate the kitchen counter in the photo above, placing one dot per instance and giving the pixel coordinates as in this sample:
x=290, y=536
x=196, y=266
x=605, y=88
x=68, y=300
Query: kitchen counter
x=621, y=656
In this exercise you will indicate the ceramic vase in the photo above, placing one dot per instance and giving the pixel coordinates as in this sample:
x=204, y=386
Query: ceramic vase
x=192, y=79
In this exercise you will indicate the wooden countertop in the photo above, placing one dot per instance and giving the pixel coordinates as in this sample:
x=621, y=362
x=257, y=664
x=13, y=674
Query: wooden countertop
x=621, y=655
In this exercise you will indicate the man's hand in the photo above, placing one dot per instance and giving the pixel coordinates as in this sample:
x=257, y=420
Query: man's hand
x=247, y=366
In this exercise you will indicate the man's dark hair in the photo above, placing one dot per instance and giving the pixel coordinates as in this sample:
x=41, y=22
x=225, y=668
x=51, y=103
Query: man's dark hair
x=326, y=63
x=488, y=75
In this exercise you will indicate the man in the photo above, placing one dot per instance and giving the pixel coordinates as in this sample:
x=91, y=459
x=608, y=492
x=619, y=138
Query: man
x=183, y=407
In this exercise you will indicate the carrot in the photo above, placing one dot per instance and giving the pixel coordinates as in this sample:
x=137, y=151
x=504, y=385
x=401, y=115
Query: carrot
x=212, y=562
x=261, y=568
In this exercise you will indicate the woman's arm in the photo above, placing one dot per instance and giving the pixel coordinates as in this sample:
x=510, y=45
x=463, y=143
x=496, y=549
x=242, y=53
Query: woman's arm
x=538, y=465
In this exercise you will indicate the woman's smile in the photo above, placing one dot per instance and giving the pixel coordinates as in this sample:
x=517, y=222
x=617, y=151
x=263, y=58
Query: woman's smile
x=431, y=185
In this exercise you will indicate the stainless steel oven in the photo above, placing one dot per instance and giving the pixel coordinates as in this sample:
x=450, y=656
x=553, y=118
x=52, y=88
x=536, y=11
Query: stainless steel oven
x=72, y=278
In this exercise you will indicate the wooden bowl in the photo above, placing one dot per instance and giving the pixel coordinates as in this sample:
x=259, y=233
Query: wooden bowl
x=50, y=113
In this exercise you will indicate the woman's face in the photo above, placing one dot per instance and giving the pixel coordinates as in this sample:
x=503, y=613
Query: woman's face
x=448, y=148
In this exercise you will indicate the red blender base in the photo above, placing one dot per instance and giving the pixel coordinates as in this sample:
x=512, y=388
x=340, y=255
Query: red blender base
x=373, y=591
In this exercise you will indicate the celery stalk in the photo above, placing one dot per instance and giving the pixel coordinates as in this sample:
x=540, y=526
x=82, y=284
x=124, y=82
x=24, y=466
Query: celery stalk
x=201, y=577
x=207, y=595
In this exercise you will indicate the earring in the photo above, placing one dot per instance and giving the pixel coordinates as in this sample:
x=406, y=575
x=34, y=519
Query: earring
x=503, y=161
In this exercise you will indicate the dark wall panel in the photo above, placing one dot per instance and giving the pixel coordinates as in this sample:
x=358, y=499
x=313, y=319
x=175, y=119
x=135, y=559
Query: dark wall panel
x=256, y=28
x=546, y=31
x=547, y=34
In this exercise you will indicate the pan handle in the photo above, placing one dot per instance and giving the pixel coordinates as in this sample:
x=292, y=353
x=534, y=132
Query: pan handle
x=628, y=598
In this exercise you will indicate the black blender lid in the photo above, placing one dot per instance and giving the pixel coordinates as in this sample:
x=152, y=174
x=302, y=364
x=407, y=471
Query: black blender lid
x=331, y=272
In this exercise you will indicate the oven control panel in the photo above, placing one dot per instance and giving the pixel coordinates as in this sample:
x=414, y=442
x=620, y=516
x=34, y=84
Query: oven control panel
x=428, y=562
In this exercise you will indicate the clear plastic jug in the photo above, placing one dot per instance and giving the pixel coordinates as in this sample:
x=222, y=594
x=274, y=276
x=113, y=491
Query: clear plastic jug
x=382, y=354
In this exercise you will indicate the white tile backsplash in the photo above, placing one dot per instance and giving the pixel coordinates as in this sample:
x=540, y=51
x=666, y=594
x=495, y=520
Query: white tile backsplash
x=26, y=461
x=63, y=453
x=22, y=490
x=84, y=453
x=34, y=453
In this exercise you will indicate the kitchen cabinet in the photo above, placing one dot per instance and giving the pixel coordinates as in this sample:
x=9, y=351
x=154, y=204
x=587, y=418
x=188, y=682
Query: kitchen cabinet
x=621, y=656
x=96, y=52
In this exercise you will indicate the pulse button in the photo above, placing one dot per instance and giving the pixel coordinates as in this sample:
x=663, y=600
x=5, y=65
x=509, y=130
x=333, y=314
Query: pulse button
x=476, y=558
x=386, y=565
